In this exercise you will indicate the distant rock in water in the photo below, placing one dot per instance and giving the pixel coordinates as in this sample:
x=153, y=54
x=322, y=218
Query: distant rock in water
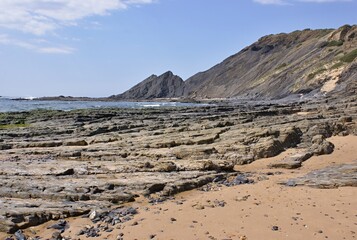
x=307, y=62
x=166, y=85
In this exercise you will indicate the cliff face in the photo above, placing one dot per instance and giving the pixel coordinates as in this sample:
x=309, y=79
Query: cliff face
x=166, y=85
x=275, y=66
x=279, y=65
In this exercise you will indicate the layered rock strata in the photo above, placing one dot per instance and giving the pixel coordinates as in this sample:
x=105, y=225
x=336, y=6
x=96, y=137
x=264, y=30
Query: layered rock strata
x=57, y=164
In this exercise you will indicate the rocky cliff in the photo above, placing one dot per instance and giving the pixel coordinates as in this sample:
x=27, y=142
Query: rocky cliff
x=166, y=85
x=279, y=65
x=276, y=66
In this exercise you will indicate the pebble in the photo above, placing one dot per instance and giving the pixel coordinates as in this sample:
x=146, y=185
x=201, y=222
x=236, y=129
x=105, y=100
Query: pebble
x=275, y=228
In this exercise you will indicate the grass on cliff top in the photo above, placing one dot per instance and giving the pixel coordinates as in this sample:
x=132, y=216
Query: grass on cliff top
x=349, y=57
x=11, y=126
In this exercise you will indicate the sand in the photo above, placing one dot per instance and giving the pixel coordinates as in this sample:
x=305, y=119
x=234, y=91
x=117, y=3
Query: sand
x=264, y=210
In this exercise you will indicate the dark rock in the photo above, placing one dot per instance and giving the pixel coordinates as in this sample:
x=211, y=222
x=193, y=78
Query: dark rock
x=60, y=225
x=166, y=85
x=275, y=228
x=156, y=187
x=66, y=172
x=238, y=180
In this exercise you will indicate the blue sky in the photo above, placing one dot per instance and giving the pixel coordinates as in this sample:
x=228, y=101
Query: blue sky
x=104, y=47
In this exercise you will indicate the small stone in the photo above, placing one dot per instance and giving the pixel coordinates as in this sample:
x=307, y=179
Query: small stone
x=152, y=236
x=200, y=207
x=275, y=228
x=93, y=215
x=20, y=236
x=291, y=183
x=173, y=219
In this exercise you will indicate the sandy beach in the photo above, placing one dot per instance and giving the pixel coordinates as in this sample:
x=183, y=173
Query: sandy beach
x=263, y=210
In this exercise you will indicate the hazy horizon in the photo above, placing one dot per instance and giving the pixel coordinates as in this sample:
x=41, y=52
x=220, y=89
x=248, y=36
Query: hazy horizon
x=101, y=48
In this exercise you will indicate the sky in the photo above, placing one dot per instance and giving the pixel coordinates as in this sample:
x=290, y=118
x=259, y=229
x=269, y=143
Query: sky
x=98, y=48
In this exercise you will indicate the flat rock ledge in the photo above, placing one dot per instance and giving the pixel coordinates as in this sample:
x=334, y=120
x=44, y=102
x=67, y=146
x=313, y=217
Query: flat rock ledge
x=56, y=164
x=331, y=177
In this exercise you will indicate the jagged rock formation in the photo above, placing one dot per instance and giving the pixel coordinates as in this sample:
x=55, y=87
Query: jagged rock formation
x=276, y=66
x=166, y=85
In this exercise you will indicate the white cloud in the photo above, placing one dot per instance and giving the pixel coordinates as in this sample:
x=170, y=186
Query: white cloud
x=36, y=45
x=42, y=16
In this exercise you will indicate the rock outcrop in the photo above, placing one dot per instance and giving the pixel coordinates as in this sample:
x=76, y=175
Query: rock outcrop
x=166, y=85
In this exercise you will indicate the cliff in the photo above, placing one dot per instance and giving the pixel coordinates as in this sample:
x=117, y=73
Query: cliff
x=276, y=66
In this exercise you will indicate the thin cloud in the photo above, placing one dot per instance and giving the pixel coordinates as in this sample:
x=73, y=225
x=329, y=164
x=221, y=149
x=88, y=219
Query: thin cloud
x=56, y=50
x=34, y=45
x=325, y=1
x=289, y=2
x=274, y=2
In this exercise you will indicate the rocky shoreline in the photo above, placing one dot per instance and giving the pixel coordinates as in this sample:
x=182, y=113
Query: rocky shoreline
x=57, y=164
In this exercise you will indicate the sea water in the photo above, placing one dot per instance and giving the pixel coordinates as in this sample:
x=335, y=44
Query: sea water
x=11, y=105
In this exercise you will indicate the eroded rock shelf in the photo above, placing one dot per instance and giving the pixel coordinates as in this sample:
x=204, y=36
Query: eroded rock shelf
x=57, y=164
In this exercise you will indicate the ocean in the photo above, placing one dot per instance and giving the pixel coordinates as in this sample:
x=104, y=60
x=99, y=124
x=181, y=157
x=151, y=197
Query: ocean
x=10, y=105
